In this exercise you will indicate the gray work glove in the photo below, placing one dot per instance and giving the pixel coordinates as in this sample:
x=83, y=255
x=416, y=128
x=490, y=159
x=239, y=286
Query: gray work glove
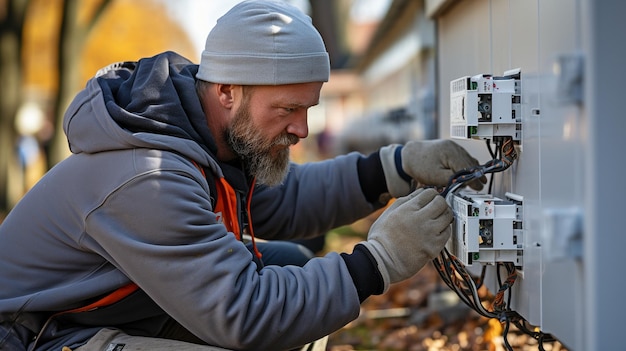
x=429, y=162
x=408, y=234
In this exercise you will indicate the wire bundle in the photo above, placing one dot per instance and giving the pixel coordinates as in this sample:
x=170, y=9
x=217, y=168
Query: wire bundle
x=455, y=275
x=503, y=158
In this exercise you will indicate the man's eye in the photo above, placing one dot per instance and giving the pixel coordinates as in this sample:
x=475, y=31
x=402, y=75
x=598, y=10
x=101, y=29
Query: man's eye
x=289, y=109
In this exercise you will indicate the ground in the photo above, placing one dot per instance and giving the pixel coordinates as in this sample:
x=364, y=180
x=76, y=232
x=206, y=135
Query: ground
x=423, y=314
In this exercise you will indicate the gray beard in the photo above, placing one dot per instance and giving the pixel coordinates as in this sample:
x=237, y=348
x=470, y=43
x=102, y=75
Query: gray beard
x=256, y=151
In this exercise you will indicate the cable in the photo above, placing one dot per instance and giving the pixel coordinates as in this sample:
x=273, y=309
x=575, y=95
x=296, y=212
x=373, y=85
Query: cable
x=540, y=336
x=507, y=155
x=481, y=280
x=453, y=272
x=505, y=339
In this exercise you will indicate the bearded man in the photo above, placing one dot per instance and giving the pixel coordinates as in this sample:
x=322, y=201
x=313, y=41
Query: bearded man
x=143, y=238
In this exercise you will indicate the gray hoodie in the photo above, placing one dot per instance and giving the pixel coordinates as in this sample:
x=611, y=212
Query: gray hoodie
x=130, y=206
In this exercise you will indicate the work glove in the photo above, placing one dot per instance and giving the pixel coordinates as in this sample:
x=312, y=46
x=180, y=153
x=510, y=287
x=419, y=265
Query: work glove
x=428, y=162
x=408, y=234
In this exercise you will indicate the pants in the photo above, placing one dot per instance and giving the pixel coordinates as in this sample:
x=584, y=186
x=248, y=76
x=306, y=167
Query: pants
x=108, y=339
x=116, y=340
x=283, y=253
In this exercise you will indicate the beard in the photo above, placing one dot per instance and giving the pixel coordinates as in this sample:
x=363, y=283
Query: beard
x=265, y=159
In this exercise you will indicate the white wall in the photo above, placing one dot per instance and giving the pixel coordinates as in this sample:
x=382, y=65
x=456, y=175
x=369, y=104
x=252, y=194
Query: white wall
x=563, y=171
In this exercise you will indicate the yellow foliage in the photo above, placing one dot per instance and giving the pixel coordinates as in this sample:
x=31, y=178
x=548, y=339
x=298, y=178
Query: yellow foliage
x=128, y=30
x=40, y=42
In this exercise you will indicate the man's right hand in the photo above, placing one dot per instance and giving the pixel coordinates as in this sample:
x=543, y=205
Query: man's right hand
x=411, y=232
x=429, y=162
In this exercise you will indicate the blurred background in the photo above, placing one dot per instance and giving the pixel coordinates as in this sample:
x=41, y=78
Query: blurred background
x=377, y=94
x=382, y=90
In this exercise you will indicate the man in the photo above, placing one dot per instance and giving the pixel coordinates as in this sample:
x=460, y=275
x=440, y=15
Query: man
x=137, y=240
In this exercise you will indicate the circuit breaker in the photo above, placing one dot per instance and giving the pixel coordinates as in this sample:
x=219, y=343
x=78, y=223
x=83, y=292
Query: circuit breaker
x=487, y=229
x=485, y=106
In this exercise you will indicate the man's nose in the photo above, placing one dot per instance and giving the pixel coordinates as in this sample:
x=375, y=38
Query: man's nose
x=299, y=126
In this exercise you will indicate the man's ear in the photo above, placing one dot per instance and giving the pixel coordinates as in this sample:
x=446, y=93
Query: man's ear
x=225, y=94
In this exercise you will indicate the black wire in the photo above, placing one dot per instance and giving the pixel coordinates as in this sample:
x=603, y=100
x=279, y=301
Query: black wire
x=498, y=148
x=508, y=312
x=509, y=271
x=540, y=341
x=468, y=296
x=497, y=164
x=490, y=183
x=540, y=336
x=481, y=280
x=460, y=176
x=504, y=335
x=488, y=142
x=498, y=156
x=445, y=276
x=475, y=300
x=522, y=326
x=449, y=265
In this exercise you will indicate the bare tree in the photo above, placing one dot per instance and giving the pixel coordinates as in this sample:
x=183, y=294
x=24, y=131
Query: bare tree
x=73, y=35
x=12, y=14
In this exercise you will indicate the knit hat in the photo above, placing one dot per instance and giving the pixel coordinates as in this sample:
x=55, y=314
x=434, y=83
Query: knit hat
x=264, y=43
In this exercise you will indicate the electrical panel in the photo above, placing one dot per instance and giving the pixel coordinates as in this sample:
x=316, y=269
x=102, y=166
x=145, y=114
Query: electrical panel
x=487, y=229
x=485, y=106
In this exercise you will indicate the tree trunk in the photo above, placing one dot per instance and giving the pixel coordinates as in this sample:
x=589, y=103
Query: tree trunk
x=11, y=180
x=71, y=42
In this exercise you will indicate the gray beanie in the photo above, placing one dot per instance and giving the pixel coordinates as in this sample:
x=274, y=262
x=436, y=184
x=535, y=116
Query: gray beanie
x=264, y=43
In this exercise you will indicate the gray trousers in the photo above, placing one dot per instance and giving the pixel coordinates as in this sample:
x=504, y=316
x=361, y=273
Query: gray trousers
x=116, y=340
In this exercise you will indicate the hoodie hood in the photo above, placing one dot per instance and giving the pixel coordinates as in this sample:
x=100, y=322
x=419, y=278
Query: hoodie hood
x=151, y=103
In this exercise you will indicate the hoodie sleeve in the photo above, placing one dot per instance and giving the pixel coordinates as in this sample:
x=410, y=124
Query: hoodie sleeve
x=314, y=198
x=158, y=229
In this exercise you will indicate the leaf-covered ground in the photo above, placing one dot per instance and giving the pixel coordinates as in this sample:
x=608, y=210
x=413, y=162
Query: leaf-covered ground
x=423, y=314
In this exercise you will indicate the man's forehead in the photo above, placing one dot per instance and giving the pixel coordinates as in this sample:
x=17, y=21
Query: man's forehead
x=292, y=95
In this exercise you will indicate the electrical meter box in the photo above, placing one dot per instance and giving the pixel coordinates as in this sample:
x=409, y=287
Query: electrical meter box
x=484, y=106
x=487, y=229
